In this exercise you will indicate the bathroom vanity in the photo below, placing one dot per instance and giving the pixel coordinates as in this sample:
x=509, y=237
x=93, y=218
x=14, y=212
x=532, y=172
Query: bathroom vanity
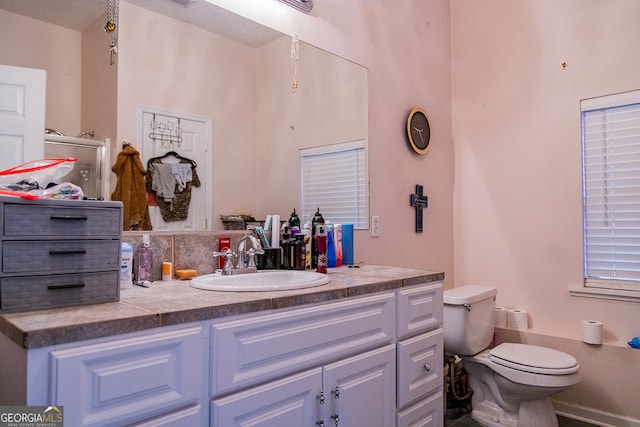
x=365, y=349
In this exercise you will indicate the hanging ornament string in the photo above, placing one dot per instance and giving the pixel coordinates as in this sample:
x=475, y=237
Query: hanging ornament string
x=111, y=26
x=295, y=59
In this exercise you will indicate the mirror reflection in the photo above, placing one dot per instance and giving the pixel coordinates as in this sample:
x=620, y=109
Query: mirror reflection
x=265, y=94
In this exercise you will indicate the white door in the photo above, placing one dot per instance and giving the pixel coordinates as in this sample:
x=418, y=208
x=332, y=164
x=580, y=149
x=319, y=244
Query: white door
x=159, y=135
x=22, y=110
x=361, y=390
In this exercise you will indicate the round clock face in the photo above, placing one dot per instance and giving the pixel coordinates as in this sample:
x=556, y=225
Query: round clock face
x=418, y=131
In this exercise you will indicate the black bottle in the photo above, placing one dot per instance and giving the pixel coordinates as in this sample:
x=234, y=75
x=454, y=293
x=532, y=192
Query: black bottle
x=318, y=219
x=294, y=222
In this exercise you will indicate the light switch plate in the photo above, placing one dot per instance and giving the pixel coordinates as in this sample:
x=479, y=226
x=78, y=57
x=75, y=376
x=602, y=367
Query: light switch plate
x=375, y=226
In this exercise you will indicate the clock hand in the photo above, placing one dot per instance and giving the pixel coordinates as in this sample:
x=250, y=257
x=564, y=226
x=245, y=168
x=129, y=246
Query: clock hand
x=419, y=132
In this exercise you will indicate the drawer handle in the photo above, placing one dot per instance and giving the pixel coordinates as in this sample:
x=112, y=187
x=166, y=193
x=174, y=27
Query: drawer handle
x=68, y=252
x=427, y=367
x=69, y=217
x=66, y=286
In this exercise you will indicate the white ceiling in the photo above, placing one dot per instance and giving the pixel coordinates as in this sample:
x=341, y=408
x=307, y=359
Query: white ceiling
x=78, y=14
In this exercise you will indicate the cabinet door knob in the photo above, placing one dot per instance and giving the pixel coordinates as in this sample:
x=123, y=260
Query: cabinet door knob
x=427, y=367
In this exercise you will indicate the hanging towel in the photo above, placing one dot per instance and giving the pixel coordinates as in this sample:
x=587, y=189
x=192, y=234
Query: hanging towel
x=130, y=190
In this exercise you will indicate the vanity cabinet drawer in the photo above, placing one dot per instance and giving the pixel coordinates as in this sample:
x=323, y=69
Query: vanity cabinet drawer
x=31, y=220
x=420, y=366
x=428, y=412
x=131, y=379
x=58, y=290
x=253, y=349
x=37, y=257
x=420, y=309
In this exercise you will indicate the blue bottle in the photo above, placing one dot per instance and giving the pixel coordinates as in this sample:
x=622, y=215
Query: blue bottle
x=331, y=248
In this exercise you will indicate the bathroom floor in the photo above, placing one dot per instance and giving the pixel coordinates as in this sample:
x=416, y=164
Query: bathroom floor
x=466, y=421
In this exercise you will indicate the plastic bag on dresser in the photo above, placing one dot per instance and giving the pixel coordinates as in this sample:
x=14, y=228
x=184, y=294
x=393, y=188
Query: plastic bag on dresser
x=25, y=180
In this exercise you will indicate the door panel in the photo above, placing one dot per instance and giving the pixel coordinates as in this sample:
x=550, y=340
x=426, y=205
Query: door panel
x=22, y=112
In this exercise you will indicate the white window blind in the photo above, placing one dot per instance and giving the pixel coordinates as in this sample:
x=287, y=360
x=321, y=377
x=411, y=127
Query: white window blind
x=335, y=180
x=611, y=185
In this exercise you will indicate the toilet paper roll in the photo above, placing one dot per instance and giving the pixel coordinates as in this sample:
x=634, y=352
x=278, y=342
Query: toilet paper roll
x=500, y=317
x=592, y=331
x=517, y=319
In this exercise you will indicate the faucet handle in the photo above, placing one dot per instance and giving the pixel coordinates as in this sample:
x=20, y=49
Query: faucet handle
x=251, y=254
x=228, y=256
x=227, y=253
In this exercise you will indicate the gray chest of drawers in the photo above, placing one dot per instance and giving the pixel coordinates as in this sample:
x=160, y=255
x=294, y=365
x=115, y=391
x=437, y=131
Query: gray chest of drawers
x=59, y=253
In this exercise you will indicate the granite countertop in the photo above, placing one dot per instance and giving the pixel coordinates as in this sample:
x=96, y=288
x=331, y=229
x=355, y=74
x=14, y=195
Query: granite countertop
x=175, y=302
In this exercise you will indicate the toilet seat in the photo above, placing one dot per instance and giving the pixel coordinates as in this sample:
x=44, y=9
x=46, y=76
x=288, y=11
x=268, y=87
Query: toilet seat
x=533, y=359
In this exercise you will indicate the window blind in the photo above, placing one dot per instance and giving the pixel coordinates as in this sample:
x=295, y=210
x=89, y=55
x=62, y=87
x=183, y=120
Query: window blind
x=335, y=179
x=611, y=191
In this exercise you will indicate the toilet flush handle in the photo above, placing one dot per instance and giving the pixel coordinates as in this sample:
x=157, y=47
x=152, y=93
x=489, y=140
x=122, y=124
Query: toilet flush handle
x=467, y=306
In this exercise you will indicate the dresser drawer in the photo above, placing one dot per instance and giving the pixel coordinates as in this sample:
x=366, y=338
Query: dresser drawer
x=59, y=290
x=420, y=309
x=420, y=361
x=24, y=220
x=60, y=256
x=259, y=348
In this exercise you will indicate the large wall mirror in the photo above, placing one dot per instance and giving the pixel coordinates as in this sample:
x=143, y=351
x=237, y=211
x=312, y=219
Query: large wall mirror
x=267, y=94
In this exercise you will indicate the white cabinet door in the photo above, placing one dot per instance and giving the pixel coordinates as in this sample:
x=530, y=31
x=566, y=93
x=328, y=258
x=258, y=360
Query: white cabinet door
x=360, y=391
x=22, y=110
x=292, y=401
x=129, y=380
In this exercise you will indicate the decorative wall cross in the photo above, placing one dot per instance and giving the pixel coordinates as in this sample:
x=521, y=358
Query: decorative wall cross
x=419, y=201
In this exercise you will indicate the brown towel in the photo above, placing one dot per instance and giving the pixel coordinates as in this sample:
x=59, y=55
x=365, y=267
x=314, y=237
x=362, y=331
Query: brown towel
x=130, y=190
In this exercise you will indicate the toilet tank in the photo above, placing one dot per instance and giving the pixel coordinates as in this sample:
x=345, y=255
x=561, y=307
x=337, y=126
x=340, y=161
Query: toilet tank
x=468, y=319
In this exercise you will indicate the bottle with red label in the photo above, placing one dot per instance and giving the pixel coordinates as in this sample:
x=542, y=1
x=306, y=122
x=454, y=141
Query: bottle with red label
x=224, y=243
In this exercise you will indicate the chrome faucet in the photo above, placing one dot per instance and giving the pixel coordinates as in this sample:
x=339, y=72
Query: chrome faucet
x=256, y=249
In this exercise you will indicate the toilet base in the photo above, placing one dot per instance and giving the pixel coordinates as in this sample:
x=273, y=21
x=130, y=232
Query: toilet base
x=498, y=402
x=531, y=413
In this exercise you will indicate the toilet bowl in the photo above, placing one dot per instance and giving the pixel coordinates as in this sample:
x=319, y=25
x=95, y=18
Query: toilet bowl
x=512, y=383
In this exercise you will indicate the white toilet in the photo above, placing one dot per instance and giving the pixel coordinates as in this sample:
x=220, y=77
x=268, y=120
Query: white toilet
x=511, y=383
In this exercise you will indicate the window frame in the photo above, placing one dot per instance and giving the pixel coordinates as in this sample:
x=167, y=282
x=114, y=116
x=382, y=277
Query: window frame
x=359, y=147
x=597, y=286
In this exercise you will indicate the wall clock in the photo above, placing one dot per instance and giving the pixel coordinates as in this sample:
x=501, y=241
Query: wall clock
x=418, y=131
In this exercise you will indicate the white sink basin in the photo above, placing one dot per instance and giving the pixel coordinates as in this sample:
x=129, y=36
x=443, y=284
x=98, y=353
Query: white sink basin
x=265, y=280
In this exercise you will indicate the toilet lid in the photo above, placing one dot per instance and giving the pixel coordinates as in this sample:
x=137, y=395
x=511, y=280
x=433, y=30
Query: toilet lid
x=533, y=358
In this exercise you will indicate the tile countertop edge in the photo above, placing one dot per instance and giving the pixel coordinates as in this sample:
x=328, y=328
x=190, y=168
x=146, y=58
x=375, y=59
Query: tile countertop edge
x=137, y=311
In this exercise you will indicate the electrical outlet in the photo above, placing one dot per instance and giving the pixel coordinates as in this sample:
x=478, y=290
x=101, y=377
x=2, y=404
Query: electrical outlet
x=375, y=226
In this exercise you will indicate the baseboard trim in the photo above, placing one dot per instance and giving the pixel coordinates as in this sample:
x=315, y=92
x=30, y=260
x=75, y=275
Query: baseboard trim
x=593, y=416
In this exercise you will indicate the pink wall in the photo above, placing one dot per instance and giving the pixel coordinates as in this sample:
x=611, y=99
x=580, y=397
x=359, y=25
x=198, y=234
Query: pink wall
x=516, y=130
